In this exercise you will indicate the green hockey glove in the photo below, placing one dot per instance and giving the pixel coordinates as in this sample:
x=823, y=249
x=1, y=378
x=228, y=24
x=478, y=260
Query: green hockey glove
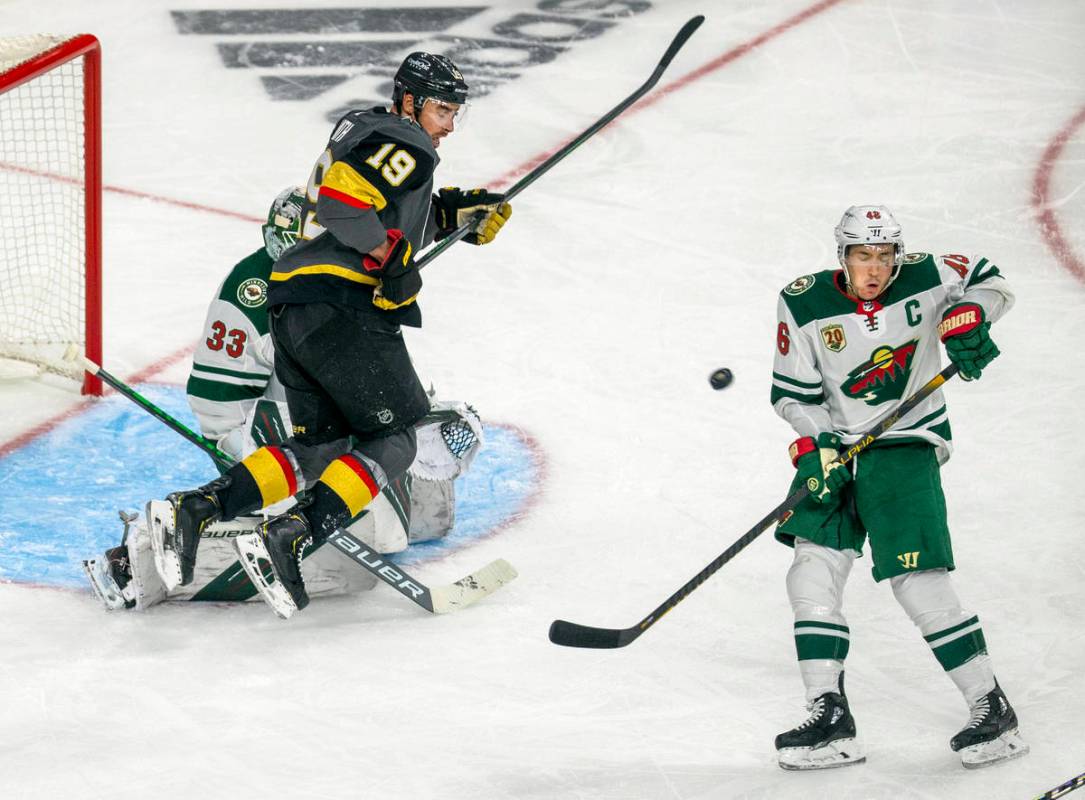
x=400, y=281
x=455, y=207
x=965, y=333
x=818, y=465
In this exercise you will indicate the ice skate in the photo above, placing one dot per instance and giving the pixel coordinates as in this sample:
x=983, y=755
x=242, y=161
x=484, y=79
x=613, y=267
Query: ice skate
x=272, y=558
x=825, y=740
x=175, y=525
x=110, y=576
x=991, y=733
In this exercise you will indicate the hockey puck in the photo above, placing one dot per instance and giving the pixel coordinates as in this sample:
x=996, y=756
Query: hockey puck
x=721, y=378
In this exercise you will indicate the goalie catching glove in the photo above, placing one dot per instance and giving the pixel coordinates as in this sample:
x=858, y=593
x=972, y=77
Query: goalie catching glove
x=455, y=207
x=818, y=465
x=400, y=281
x=968, y=344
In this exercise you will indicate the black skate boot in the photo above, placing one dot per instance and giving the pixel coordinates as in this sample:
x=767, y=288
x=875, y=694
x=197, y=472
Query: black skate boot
x=826, y=739
x=176, y=525
x=991, y=733
x=282, y=542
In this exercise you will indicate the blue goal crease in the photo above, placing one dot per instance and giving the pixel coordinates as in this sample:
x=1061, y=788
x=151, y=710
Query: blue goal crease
x=59, y=494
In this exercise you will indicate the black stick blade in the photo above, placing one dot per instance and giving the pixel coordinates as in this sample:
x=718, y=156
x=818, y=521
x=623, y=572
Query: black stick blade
x=680, y=39
x=569, y=634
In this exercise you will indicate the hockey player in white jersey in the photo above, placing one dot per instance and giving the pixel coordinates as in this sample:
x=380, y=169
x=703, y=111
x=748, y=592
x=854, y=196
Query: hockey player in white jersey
x=850, y=345
x=240, y=405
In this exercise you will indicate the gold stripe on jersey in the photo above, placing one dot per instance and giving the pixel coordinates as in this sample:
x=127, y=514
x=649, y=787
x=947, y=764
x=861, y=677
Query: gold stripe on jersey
x=344, y=178
x=326, y=269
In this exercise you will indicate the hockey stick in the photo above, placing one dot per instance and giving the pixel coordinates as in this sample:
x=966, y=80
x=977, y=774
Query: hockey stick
x=435, y=599
x=570, y=634
x=677, y=43
x=121, y=387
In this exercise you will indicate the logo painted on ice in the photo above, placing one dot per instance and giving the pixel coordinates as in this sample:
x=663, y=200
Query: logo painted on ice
x=883, y=377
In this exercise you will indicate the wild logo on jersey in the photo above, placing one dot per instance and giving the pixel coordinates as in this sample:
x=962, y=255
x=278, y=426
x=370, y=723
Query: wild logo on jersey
x=883, y=377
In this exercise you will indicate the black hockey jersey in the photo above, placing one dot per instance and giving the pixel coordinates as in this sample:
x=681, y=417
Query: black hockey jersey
x=376, y=174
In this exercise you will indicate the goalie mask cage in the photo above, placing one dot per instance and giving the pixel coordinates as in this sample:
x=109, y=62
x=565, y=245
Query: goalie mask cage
x=50, y=195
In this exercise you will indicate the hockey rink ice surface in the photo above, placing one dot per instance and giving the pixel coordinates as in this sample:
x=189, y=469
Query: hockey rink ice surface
x=647, y=259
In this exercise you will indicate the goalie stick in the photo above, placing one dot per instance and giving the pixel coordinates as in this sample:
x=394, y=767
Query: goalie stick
x=572, y=634
x=435, y=599
x=676, y=44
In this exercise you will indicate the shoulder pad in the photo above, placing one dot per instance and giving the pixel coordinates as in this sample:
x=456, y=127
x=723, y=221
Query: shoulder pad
x=377, y=126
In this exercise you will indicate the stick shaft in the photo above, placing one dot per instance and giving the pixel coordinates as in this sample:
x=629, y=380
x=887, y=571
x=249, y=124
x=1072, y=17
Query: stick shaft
x=573, y=635
x=680, y=39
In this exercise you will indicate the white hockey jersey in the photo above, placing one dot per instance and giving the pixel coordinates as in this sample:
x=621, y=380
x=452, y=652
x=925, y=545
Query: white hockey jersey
x=233, y=366
x=842, y=364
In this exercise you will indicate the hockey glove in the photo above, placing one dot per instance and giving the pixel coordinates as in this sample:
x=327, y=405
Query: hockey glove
x=455, y=207
x=400, y=280
x=818, y=465
x=968, y=344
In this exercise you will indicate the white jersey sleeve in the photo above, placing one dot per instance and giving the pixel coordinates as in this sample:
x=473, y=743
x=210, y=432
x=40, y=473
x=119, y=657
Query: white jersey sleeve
x=798, y=394
x=972, y=278
x=233, y=365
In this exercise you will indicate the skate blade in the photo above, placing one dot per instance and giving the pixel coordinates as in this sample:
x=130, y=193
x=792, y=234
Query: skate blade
x=254, y=559
x=103, y=584
x=1008, y=745
x=166, y=561
x=841, y=753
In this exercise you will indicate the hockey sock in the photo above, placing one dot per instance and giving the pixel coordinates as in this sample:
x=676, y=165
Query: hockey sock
x=262, y=479
x=955, y=636
x=346, y=486
x=815, y=587
x=820, y=675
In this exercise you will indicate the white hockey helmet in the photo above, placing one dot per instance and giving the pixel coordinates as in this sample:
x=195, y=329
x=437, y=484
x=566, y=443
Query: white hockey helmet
x=869, y=225
x=284, y=220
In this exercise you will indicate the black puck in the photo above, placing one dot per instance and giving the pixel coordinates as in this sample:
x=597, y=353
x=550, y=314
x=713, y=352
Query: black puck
x=721, y=378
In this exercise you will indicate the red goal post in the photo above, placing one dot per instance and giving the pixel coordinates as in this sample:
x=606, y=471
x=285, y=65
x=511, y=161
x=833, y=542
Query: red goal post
x=50, y=201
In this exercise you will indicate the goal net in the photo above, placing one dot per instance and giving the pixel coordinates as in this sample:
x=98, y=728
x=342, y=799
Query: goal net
x=50, y=204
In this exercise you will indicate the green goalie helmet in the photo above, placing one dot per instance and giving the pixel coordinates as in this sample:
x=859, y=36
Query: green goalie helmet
x=284, y=220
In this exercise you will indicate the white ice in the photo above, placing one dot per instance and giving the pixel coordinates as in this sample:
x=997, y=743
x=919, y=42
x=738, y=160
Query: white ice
x=648, y=258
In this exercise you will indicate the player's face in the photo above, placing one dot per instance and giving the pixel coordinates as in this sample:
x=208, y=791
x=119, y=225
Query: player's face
x=438, y=119
x=869, y=267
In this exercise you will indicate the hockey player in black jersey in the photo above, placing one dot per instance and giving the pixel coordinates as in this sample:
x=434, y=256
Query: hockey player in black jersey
x=337, y=300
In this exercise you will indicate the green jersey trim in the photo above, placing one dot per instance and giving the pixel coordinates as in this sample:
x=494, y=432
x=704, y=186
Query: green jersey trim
x=776, y=376
x=232, y=373
x=779, y=393
x=246, y=288
x=217, y=391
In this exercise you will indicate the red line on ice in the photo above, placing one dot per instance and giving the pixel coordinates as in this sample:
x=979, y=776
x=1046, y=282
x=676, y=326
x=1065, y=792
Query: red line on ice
x=680, y=83
x=1041, y=199
x=148, y=372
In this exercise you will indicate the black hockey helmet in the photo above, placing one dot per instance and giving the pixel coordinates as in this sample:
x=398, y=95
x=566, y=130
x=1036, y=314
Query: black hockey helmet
x=425, y=75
